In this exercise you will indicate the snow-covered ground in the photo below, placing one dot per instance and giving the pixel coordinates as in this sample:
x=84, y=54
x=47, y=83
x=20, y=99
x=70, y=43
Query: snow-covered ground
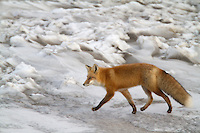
x=44, y=46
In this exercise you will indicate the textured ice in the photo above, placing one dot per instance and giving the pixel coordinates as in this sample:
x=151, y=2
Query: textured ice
x=44, y=46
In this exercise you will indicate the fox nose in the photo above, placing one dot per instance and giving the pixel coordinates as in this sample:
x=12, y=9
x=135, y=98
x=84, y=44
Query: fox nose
x=83, y=84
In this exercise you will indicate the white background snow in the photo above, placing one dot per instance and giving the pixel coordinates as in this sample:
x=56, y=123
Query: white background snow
x=44, y=46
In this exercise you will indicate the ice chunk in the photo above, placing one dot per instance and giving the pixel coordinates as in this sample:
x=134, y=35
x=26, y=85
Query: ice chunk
x=166, y=31
x=148, y=45
x=37, y=97
x=115, y=40
x=25, y=70
x=17, y=41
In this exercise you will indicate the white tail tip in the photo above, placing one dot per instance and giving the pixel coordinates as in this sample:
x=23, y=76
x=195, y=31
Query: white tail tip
x=189, y=102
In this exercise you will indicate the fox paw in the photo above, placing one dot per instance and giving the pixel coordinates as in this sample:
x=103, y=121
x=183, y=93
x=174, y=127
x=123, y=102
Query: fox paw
x=169, y=111
x=134, y=111
x=142, y=109
x=94, y=109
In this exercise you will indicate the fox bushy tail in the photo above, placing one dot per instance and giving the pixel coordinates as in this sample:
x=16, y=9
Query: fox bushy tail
x=173, y=88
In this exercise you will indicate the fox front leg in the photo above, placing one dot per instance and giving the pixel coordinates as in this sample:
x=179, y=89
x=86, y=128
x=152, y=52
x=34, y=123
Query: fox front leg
x=103, y=101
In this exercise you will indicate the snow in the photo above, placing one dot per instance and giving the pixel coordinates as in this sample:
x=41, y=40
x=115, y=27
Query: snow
x=44, y=46
x=34, y=122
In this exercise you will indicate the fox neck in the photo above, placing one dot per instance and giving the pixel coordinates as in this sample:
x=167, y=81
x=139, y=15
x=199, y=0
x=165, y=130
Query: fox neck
x=101, y=77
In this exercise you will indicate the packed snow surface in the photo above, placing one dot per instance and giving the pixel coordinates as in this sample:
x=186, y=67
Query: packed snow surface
x=44, y=46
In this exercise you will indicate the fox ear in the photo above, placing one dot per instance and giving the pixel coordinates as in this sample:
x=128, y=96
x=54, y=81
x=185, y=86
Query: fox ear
x=95, y=68
x=88, y=67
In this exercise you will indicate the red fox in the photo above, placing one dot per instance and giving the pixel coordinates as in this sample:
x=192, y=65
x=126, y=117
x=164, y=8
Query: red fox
x=150, y=77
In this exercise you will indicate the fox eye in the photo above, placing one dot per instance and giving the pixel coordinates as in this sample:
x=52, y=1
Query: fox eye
x=91, y=78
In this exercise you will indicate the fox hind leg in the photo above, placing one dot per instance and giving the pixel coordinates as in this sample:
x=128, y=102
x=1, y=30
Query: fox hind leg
x=150, y=99
x=129, y=98
x=166, y=98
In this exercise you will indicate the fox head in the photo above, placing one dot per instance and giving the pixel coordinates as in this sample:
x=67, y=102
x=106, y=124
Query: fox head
x=92, y=74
